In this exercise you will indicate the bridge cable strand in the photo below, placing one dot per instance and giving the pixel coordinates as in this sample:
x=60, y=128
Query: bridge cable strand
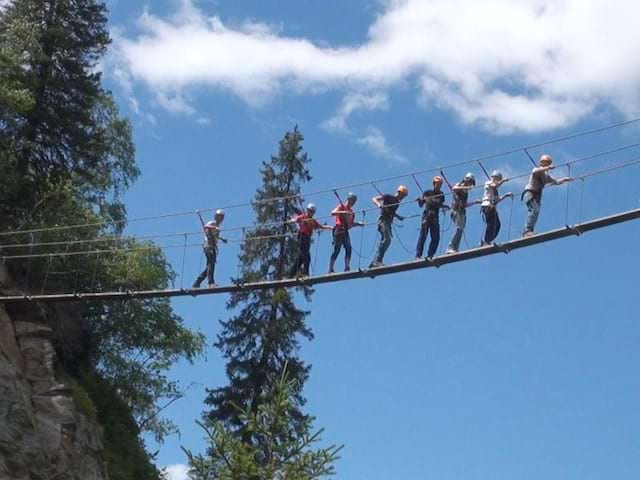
x=318, y=192
x=271, y=224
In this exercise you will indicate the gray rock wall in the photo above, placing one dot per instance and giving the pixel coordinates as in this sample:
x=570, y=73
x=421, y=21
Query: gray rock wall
x=43, y=434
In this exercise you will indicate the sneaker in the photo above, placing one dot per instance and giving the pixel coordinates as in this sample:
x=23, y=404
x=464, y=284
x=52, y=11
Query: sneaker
x=528, y=233
x=376, y=264
x=347, y=269
x=331, y=270
x=450, y=251
x=213, y=284
x=195, y=285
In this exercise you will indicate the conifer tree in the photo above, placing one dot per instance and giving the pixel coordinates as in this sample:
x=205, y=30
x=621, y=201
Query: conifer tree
x=265, y=332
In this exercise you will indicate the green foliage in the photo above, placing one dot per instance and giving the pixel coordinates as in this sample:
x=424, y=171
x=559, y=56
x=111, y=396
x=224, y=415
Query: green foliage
x=125, y=452
x=66, y=158
x=264, y=334
x=280, y=451
x=60, y=125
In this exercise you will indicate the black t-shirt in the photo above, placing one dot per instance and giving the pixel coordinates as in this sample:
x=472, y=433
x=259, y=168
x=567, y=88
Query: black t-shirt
x=390, y=204
x=434, y=200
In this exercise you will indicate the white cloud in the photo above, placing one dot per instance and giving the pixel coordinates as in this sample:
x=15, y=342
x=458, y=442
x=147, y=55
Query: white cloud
x=4, y=3
x=177, y=472
x=351, y=103
x=375, y=141
x=530, y=65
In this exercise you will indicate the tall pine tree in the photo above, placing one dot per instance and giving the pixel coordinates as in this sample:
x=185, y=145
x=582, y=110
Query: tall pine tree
x=70, y=131
x=264, y=335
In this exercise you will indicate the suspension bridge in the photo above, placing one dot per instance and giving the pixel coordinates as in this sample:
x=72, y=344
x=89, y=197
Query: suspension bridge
x=30, y=250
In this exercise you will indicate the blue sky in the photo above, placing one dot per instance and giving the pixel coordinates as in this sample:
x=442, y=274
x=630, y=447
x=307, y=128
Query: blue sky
x=510, y=367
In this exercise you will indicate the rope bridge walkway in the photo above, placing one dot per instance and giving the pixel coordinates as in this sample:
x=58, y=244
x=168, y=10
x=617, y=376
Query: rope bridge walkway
x=437, y=262
x=22, y=245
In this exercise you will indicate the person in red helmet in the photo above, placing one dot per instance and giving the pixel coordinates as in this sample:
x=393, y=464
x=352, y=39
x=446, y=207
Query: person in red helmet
x=306, y=226
x=388, y=205
x=532, y=194
x=433, y=201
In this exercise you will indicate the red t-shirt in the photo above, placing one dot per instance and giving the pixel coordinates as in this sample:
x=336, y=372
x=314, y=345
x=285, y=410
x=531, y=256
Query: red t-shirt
x=307, y=224
x=349, y=216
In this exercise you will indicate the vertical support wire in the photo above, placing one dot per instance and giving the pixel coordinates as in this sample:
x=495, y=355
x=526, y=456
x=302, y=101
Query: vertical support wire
x=26, y=280
x=581, y=201
x=510, y=218
x=184, y=254
x=315, y=256
x=242, y=240
x=95, y=272
x=364, y=217
x=566, y=208
x=46, y=275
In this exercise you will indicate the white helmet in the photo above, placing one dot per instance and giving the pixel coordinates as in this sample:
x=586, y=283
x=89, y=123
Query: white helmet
x=496, y=174
x=220, y=212
x=311, y=207
x=352, y=196
x=470, y=177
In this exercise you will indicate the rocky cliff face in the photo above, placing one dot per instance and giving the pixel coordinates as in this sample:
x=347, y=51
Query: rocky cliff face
x=44, y=435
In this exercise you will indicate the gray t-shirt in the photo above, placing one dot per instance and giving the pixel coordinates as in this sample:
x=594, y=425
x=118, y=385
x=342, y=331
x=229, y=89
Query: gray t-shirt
x=538, y=179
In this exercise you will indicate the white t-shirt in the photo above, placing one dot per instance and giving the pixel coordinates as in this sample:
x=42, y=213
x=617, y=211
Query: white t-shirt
x=490, y=196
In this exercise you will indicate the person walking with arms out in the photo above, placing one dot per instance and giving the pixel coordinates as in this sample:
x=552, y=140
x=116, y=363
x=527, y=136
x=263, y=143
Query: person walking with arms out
x=459, y=204
x=306, y=226
x=388, y=205
x=345, y=220
x=490, y=200
x=532, y=194
x=432, y=201
x=211, y=236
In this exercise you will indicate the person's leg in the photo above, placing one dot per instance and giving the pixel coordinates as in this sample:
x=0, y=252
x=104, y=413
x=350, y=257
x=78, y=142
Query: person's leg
x=347, y=251
x=490, y=220
x=533, y=211
x=434, y=229
x=385, y=240
x=306, y=254
x=203, y=274
x=299, y=258
x=460, y=220
x=211, y=264
x=337, y=245
x=497, y=224
x=422, y=238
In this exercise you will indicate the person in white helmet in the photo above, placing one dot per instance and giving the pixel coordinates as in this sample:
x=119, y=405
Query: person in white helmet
x=345, y=220
x=211, y=236
x=490, y=200
x=459, y=204
x=306, y=226
x=532, y=194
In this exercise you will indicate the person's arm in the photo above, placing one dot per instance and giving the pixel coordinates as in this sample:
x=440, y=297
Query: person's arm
x=506, y=195
x=422, y=199
x=552, y=181
x=295, y=219
x=377, y=201
x=318, y=226
x=472, y=203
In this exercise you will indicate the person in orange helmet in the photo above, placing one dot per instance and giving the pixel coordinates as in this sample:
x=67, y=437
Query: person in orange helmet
x=388, y=205
x=432, y=201
x=532, y=194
